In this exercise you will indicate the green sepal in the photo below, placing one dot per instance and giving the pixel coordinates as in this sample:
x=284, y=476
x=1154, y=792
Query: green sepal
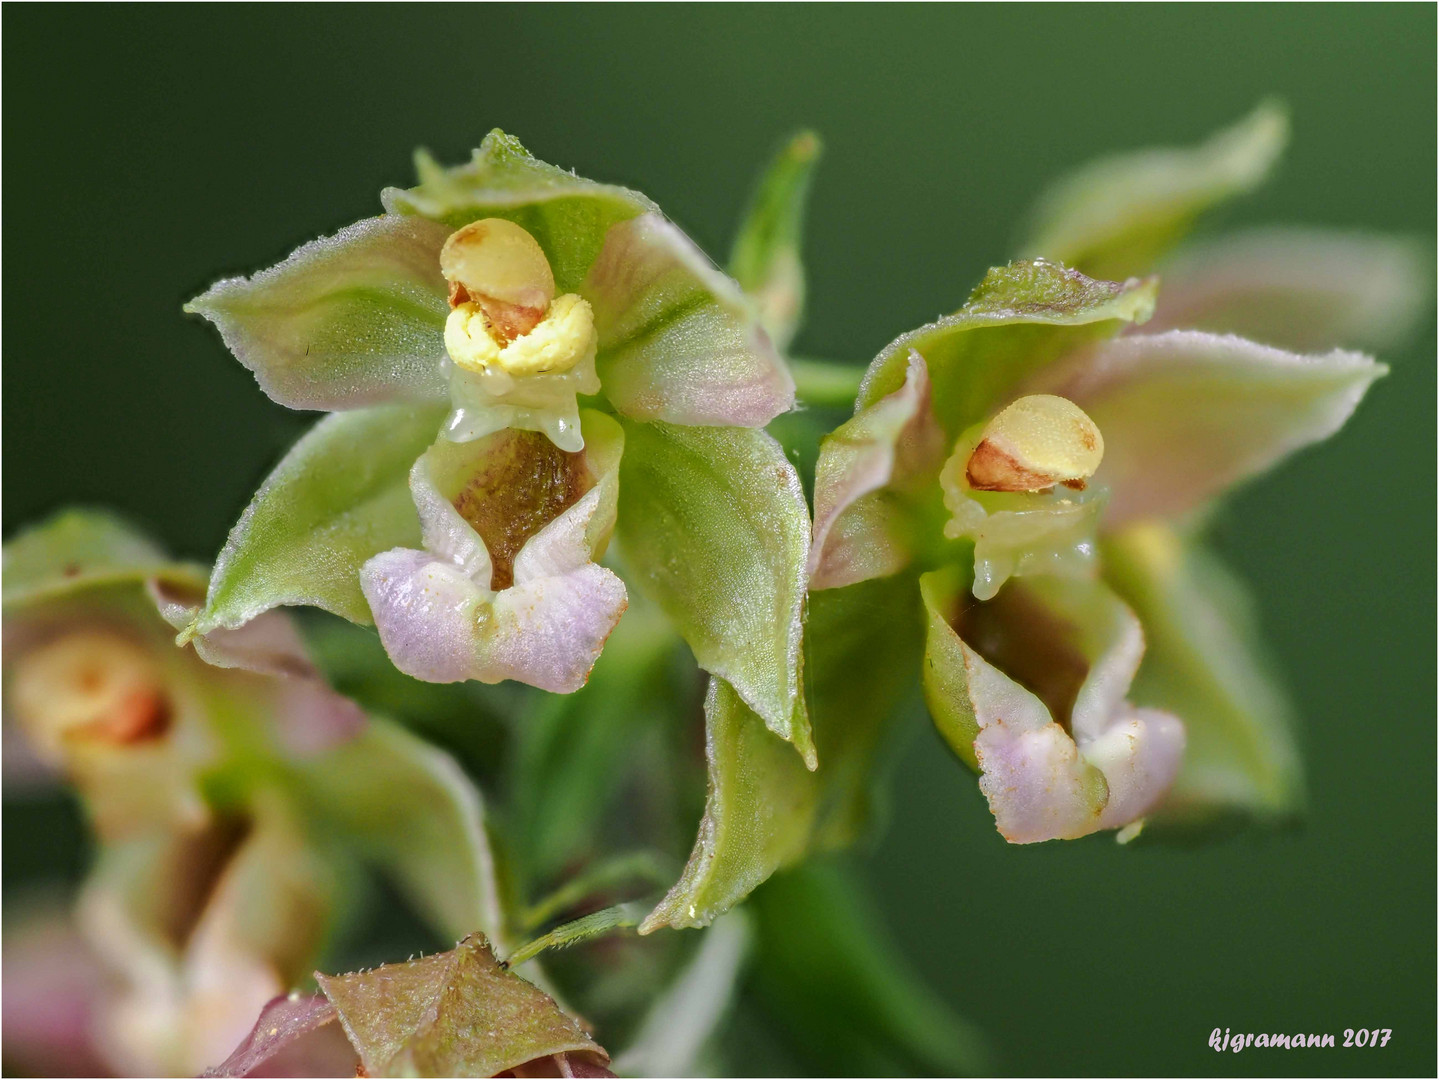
x=862, y=647
x=1205, y=662
x=714, y=526
x=567, y=214
x=347, y=321
x=946, y=684
x=1117, y=216
x=80, y=549
x=759, y=815
x=765, y=259
x=1021, y=318
x=337, y=498
x=764, y=811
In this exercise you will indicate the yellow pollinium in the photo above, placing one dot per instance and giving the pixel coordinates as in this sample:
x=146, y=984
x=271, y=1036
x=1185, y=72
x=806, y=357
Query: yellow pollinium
x=1034, y=443
x=561, y=339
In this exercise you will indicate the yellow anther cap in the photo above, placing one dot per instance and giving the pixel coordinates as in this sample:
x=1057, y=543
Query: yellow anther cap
x=494, y=259
x=1034, y=443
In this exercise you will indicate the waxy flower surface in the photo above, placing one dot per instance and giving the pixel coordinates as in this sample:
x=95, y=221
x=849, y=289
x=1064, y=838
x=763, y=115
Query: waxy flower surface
x=541, y=360
x=229, y=787
x=1038, y=464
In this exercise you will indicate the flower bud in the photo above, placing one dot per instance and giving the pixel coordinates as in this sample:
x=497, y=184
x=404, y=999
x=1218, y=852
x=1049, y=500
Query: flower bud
x=1034, y=443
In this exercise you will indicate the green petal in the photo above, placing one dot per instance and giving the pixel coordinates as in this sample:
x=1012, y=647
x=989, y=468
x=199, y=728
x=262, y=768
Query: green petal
x=766, y=259
x=1206, y=663
x=567, y=214
x=457, y=1013
x=1186, y=415
x=1117, y=216
x=412, y=810
x=1021, y=318
x=678, y=341
x=339, y=497
x=80, y=549
x=830, y=979
x=346, y=321
x=714, y=524
x=758, y=815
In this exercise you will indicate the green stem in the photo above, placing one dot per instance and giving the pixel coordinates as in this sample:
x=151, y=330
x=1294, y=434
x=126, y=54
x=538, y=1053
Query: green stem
x=636, y=866
x=572, y=933
x=825, y=382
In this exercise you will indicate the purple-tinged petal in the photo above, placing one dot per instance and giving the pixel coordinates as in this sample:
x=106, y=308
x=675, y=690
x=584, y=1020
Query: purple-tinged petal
x=858, y=528
x=1300, y=289
x=678, y=341
x=1186, y=415
x=54, y=989
x=346, y=321
x=293, y=1028
x=312, y=717
x=439, y=613
x=1065, y=754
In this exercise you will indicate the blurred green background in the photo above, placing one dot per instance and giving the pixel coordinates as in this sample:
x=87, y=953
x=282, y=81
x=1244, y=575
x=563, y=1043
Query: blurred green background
x=151, y=149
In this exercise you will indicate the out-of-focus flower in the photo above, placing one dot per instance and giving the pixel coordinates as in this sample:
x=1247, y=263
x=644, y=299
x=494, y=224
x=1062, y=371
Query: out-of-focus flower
x=229, y=788
x=1039, y=434
x=456, y=1013
x=495, y=300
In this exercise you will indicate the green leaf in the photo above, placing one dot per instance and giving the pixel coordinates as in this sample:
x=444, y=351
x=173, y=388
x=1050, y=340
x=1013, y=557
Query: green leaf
x=338, y=497
x=1021, y=318
x=457, y=1013
x=830, y=979
x=714, y=524
x=346, y=321
x=766, y=259
x=567, y=214
x=80, y=549
x=1117, y=216
x=758, y=817
x=1206, y=663
x=410, y=808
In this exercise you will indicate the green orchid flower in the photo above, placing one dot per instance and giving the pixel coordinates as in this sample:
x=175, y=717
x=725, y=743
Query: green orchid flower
x=1037, y=468
x=230, y=789
x=520, y=363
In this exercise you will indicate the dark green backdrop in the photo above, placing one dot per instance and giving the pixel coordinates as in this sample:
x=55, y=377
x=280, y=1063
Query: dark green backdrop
x=149, y=149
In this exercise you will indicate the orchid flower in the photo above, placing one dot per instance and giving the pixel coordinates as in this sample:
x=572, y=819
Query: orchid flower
x=228, y=786
x=1042, y=452
x=542, y=360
